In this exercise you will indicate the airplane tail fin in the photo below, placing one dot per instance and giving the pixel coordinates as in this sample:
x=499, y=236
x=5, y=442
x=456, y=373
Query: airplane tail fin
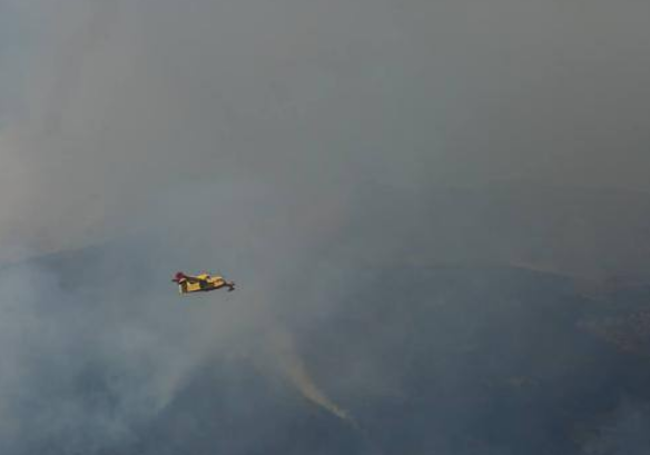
x=178, y=277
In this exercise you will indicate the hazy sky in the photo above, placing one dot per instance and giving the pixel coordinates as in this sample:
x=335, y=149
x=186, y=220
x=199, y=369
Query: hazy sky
x=110, y=102
x=264, y=138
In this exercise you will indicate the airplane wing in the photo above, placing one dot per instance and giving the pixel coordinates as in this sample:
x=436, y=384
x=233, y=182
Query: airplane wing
x=194, y=279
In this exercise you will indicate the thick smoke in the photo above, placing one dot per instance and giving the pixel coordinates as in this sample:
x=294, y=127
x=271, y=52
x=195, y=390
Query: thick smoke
x=119, y=100
x=288, y=145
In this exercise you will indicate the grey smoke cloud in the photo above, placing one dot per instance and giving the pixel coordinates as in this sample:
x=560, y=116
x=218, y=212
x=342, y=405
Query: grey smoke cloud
x=269, y=138
x=123, y=99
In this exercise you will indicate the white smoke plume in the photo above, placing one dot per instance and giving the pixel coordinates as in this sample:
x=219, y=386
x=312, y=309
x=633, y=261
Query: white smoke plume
x=296, y=371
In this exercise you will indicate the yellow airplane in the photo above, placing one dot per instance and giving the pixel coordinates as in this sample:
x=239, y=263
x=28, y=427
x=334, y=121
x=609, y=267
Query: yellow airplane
x=188, y=284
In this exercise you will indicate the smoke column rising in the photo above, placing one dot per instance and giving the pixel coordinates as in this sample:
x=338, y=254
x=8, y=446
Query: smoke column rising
x=295, y=370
